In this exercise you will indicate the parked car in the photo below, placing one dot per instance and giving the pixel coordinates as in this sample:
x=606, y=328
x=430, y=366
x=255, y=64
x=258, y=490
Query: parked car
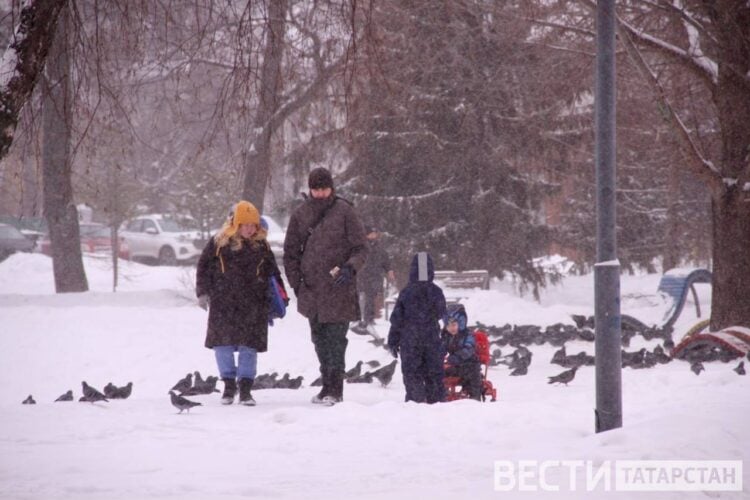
x=164, y=239
x=12, y=240
x=34, y=228
x=95, y=238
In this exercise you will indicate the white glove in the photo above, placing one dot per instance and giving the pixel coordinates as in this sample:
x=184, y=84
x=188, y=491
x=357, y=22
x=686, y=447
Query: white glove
x=203, y=301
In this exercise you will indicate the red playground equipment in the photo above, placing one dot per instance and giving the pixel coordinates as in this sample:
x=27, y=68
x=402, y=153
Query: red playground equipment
x=452, y=384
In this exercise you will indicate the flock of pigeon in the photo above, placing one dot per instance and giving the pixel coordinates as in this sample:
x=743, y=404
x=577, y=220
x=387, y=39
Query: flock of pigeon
x=92, y=395
x=520, y=336
x=193, y=384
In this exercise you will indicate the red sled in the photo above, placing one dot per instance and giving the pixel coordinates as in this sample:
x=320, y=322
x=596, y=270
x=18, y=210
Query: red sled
x=452, y=384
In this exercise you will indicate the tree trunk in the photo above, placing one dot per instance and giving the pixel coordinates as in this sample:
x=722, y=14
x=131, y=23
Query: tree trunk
x=23, y=61
x=730, y=301
x=59, y=208
x=257, y=161
x=730, y=304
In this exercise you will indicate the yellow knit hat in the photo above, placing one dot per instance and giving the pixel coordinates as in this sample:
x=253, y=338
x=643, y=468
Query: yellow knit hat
x=244, y=213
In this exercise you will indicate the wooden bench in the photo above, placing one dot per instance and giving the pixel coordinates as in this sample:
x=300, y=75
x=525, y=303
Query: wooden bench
x=391, y=301
x=479, y=278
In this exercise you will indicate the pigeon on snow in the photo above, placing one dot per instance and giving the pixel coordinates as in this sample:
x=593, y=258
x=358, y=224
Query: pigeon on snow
x=564, y=377
x=68, y=396
x=182, y=403
x=184, y=384
x=90, y=394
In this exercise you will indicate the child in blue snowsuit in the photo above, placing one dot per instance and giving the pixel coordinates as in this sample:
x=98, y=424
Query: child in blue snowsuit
x=415, y=333
x=459, y=346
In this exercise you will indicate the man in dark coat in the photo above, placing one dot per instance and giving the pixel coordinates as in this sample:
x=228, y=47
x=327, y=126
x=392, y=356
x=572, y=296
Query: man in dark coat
x=415, y=333
x=370, y=277
x=324, y=248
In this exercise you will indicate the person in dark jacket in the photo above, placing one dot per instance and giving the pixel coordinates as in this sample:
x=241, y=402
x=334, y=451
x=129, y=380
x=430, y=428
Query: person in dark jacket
x=232, y=282
x=460, y=346
x=370, y=277
x=415, y=332
x=324, y=248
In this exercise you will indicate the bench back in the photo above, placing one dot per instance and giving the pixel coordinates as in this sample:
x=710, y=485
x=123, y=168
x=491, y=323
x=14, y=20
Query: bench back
x=479, y=278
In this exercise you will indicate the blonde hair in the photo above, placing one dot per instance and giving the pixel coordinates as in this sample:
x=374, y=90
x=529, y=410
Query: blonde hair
x=230, y=236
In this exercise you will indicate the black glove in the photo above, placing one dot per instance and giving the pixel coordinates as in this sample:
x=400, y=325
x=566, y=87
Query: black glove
x=345, y=275
x=394, y=350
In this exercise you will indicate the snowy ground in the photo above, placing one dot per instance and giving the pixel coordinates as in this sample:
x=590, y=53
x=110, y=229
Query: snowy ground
x=371, y=446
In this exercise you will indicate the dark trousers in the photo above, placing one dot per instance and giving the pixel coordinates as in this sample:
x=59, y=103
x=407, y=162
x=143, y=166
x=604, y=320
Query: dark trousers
x=470, y=374
x=330, y=343
x=422, y=368
x=367, y=303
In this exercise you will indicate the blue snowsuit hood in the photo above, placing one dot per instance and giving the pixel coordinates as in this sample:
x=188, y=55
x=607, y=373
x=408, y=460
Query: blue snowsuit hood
x=423, y=260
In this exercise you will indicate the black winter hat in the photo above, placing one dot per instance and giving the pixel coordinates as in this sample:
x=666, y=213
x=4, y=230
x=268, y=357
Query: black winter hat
x=320, y=178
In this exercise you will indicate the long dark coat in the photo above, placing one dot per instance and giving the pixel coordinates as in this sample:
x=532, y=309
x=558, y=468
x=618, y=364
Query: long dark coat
x=239, y=302
x=370, y=277
x=337, y=240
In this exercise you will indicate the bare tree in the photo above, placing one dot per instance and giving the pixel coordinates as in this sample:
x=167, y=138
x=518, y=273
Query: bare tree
x=23, y=62
x=59, y=207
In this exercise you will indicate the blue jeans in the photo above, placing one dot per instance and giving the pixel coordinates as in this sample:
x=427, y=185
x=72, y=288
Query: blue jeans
x=247, y=361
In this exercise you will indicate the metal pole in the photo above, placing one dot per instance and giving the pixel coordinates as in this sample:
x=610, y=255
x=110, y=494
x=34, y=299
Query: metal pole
x=607, y=269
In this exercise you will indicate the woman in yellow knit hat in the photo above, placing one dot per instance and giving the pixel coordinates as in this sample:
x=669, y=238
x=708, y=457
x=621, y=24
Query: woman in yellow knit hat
x=232, y=283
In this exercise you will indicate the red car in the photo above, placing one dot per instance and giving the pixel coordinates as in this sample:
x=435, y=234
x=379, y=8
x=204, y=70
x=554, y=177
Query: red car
x=95, y=238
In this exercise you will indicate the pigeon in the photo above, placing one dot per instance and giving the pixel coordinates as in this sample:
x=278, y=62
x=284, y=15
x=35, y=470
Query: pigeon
x=283, y=382
x=559, y=357
x=740, y=368
x=385, y=374
x=365, y=378
x=697, y=367
x=182, y=403
x=521, y=370
x=373, y=364
x=109, y=390
x=201, y=386
x=564, y=377
x=317, y=382
x=28, y=401
x=296, y=382
x=68, y=396
x=91, y=395
x=122, y=392
x=354, y=372
x=197, y=379
x=377, y=342
x=661, y=356
x=265, y=381
x=184, y=384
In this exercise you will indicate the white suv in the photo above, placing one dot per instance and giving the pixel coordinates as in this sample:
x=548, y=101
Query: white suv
x=166, y=239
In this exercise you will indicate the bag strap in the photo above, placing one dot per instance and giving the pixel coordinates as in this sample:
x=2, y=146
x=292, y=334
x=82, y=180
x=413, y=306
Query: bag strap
x=315, y=224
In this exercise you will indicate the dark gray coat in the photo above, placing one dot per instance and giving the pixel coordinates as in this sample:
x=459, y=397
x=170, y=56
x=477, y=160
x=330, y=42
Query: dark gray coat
x=337, y=240
x=239, y=302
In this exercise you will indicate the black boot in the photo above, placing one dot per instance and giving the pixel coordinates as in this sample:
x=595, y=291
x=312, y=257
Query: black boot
x=246, y=384
x=337, y=386
x=325, y=380
x=230, y=389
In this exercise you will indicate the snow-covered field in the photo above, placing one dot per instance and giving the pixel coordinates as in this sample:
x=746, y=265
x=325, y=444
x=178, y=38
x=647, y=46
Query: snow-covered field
x=371, y=446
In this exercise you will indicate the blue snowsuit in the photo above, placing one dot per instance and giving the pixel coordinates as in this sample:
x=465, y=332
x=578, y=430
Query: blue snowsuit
x=415, y=332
